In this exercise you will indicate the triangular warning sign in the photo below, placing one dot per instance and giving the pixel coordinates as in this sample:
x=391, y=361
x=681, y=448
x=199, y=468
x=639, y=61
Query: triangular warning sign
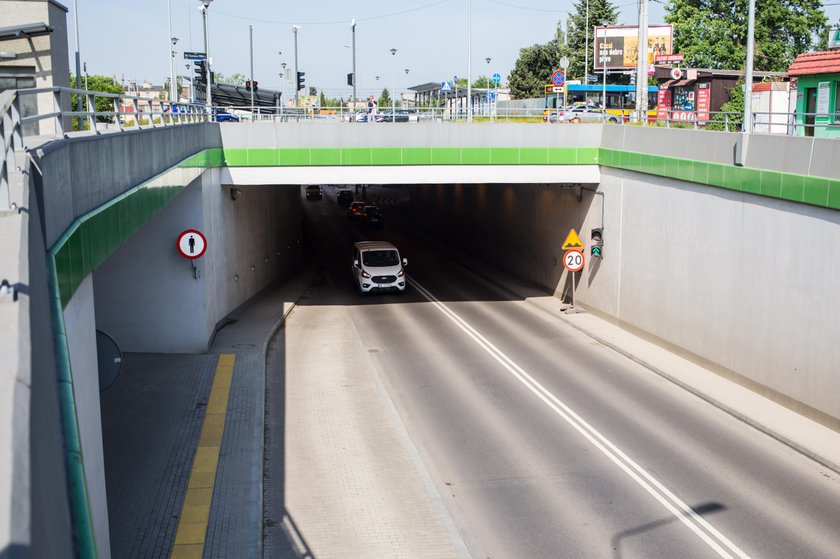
x=572, y=241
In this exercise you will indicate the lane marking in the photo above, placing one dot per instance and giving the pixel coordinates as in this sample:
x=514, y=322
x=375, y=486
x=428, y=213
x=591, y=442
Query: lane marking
x=684, y=513
x=195, y=512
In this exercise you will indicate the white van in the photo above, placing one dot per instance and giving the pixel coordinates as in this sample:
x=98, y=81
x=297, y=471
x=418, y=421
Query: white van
x=377, y=266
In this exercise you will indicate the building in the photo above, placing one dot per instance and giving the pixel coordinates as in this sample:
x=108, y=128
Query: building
x=33, y=53
x=818, y=91
x=696, y=94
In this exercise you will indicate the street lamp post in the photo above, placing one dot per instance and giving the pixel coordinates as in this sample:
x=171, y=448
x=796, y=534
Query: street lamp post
x=251, y=38
x=406, y=86
x=283, y=85
x=78, y=57
x=747, y=126
x=455, y=101
x=586, y=48
x=295, y=29
x=393, y=84
x=192, y=84
x=204, y=7
x=353, y=29
x=469, y=61
x=604, y=57
x=173, y=84
x=489, y=81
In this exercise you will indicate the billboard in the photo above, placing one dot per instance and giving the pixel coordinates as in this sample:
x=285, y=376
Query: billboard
x=620, y=46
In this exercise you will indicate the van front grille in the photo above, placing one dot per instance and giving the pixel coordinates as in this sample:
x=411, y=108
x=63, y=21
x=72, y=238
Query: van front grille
x=384, y=279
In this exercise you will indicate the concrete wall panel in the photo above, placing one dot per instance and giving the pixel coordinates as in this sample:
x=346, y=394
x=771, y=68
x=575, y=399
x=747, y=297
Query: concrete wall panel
x=80, y=324
x=147, y=297
x=780, y=153
x=825, y=161
x=83, y=173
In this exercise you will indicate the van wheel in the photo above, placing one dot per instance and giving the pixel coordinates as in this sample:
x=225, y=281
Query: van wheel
x=575, y=120
x=613, y=120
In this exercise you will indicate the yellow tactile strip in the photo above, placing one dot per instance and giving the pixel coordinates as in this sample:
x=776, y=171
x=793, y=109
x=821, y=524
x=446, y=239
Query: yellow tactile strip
x=195, y=512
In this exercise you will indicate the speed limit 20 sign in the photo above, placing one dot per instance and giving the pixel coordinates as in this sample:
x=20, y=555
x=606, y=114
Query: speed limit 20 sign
x=573, y=260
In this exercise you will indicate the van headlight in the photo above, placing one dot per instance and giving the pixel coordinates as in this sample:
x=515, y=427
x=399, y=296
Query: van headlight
x=401, y=273
x=365, y=274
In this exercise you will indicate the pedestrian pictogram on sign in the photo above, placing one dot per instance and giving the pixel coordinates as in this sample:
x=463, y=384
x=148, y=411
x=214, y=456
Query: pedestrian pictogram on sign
x=572, y=241
x=573, y=260
x=191, y=244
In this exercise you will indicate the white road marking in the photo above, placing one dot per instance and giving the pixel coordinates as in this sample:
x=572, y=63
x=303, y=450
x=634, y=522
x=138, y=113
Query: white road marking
x=684, y=513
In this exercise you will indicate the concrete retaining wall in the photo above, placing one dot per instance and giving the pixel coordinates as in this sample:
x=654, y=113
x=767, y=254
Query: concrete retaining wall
x=83, y=173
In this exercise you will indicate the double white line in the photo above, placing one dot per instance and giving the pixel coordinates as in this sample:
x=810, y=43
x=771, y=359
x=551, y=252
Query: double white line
x=685, y=514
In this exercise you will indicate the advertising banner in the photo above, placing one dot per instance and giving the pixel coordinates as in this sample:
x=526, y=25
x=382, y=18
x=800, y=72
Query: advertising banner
x=620, y=46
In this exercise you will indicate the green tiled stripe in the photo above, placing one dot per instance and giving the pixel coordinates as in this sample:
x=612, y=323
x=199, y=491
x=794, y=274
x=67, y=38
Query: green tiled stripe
x=296, y=157
x=816, y=191
x=95, y=236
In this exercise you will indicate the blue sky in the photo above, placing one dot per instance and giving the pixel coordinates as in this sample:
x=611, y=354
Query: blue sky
x=131, y=39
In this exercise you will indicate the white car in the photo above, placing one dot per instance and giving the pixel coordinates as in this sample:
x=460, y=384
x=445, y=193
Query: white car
x=377, y=266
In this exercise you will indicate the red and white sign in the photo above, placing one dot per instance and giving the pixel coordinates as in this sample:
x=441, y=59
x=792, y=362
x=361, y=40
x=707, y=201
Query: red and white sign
x=192, y=244
x=704, y=93
x=676, y=73
x=573, y=260
x=668, y=58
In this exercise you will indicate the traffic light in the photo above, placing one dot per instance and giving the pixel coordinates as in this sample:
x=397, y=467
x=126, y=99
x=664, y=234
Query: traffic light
x=248, y=86
x=200, y=72
x=351, y=79
x=597, y=238
x=300, y=80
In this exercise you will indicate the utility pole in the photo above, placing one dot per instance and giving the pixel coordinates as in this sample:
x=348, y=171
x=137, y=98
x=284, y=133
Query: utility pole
x=78, y=58
x=469, y=61
x=353, y=29
x=295, y=29
x=251, y=32
x=209, y=96
x=586, y=49
x=748, y=86
x=642, y=65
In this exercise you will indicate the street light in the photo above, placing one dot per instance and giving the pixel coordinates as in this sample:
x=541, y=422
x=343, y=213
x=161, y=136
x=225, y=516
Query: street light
x=393, y=83
x=295, y=29
x=173, y=89
x=353, y=29
x=283, y=85
x=604, y=56
x=406, y=86
x=489, y=81
x=205, y=4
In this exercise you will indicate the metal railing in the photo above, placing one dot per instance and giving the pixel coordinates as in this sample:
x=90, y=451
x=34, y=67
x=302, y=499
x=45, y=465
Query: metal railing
x=11, y=140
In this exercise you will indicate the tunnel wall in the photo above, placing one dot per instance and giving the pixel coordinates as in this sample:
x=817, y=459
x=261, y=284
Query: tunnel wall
x=734, y=280
x=148, y=297
x=80, y=325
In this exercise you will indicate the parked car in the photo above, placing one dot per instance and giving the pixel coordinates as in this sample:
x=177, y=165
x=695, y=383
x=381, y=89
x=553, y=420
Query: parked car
x=344, y=197
x=392, y=117
x=314, y=192
x=372, y=217
x=354, y=211
x=224, y=116
x=581, y=112
x=377, y=266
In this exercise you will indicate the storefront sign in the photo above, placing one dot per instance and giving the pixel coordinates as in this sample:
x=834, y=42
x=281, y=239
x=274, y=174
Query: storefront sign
x=822, y=98
x=704, y=96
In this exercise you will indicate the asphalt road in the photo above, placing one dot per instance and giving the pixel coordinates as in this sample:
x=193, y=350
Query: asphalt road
x=544, y=443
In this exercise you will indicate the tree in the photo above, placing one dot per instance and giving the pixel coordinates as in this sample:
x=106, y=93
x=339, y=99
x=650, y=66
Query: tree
x=532, y=70
x=713, y=33
x=384, y=99
x=579, y=48
x=233, y=79
x=536, y=63
x=105, y=84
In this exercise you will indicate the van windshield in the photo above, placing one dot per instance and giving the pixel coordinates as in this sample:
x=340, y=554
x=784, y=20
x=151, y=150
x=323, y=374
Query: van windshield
x=380, y=258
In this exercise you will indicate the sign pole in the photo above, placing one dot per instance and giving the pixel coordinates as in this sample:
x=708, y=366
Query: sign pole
x=573, y=288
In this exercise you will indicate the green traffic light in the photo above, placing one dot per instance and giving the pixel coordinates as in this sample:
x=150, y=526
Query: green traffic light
x=596, y=252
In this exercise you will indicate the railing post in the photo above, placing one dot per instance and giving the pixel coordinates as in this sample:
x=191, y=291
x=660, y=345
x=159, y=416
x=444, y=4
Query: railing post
x=59, y=120
x=91, y=105
x=118, y=115
x=136, y=107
